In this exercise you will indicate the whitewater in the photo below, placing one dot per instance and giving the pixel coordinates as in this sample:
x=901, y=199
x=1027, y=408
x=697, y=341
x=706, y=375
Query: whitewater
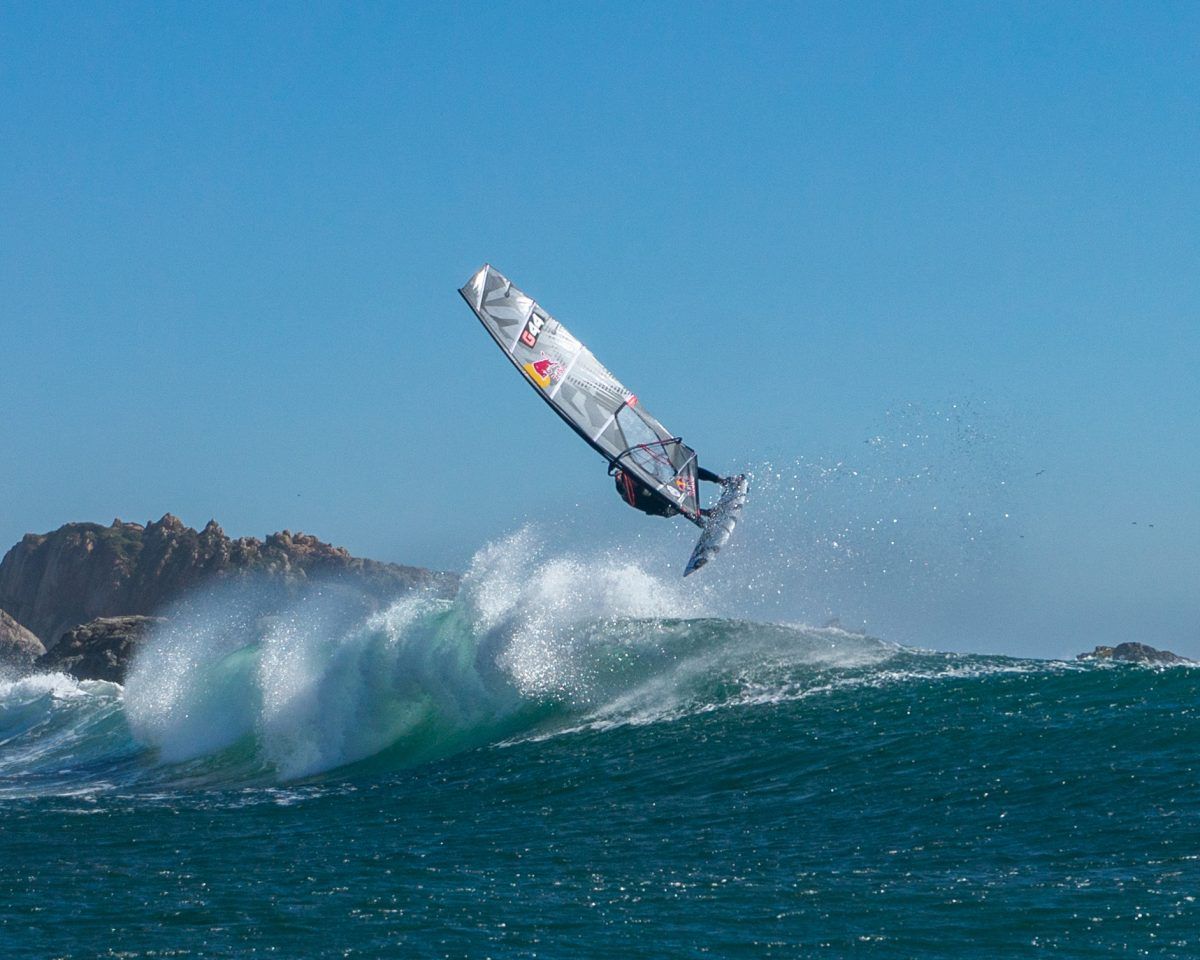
x=574, y=752
x=533, y=646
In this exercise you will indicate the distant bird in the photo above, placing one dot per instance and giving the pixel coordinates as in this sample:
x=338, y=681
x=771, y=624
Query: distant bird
x=1040, y=472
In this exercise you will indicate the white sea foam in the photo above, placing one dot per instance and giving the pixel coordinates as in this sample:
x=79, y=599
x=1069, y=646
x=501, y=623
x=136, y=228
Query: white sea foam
x=322, y=684
x=57, y=685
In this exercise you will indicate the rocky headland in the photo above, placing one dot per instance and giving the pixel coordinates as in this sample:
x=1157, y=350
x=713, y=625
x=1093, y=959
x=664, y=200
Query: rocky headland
x=80, y=598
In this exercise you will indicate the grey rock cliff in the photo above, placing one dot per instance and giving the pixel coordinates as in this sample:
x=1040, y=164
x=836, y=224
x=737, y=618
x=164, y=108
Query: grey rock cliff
x=52, y=582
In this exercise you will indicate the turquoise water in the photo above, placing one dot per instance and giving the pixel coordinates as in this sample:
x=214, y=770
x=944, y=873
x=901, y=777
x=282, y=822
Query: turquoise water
x=567, y=766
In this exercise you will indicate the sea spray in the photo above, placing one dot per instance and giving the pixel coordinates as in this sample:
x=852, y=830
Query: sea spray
x=920, y=513
x=322, y=684
x=538, y=612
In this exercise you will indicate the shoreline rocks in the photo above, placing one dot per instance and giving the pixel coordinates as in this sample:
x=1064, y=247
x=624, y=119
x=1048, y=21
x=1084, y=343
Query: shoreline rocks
x=19, y=647
x=100, y=650
x=1133, y=653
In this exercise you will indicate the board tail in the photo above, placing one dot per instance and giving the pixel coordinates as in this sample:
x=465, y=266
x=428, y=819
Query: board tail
x=718, y=526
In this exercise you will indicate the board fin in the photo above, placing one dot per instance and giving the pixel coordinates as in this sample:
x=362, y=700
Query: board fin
x=719, y=523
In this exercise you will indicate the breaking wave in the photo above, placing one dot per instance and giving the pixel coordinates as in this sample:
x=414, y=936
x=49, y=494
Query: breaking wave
x=533, y=646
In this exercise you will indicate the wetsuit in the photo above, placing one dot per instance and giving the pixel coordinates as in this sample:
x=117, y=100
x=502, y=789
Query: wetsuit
x=642, y=498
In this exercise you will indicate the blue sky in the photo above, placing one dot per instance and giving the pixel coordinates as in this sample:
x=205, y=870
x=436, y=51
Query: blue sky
x=952, y=249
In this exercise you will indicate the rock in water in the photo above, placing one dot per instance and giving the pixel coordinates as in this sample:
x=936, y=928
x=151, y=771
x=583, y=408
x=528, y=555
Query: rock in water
x=18, y=647
x=100, y=650
x=1133, y=653
x=55, y=581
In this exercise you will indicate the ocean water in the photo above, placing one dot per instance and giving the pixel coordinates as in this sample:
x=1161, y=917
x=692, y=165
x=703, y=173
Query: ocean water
x=584, y=760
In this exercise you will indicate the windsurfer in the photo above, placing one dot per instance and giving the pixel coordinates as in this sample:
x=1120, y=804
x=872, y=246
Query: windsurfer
x=641, y=497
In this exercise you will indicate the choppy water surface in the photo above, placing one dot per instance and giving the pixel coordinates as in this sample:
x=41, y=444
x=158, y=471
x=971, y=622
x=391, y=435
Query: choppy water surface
x=585, y=762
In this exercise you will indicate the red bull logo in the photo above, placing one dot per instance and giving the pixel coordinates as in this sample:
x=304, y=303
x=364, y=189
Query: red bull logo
x=541, y=371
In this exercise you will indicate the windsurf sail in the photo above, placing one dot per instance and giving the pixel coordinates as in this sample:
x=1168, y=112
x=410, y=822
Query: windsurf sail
x=580, y=390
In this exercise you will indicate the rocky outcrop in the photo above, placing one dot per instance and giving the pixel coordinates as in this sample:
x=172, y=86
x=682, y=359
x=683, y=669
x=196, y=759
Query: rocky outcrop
x=100, y=650
x=82, y=571
x=18, y=646
x=1133, y=653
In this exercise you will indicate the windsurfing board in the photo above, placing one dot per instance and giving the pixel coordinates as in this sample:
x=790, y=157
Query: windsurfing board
x=719, y=524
